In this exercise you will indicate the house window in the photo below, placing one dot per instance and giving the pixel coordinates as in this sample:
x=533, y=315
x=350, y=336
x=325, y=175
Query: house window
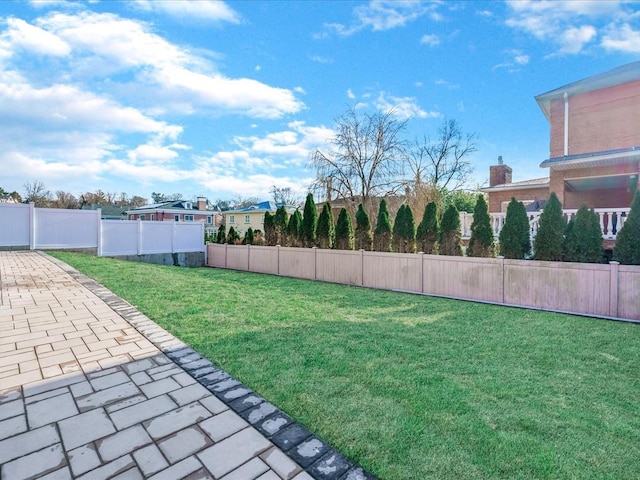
x=188, y=218
x=188, y=206
x=209, y=219
x=232, y=219
x=143, y=217
x=176, y=218
x=247, y=219
x=152, y=216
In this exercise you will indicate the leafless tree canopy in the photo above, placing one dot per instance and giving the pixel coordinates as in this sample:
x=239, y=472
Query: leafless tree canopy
x=284, y=195
x=443, y=162
x=36, y=192
x=365, y=157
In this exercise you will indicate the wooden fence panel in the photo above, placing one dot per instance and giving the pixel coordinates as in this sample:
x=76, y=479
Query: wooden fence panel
x=339, y=266
x=392, y=271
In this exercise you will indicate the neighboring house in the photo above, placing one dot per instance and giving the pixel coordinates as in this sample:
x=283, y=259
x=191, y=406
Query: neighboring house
x=180, y=211
x=594, y=150
x=242, y=219
x=10, y=198
x=108, y=212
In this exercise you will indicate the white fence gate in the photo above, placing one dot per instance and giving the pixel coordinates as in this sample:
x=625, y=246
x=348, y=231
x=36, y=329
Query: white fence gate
x=24, y=226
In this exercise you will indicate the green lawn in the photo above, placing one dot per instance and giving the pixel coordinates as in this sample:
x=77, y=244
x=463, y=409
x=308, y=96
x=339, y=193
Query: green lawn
x=410, y=387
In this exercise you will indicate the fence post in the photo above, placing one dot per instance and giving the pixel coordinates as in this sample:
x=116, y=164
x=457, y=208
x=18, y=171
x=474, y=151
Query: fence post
x=32, y=226
x=613, y=288
x=99, y=213
x=225, y=255
x=139, y=246
x=501, y=258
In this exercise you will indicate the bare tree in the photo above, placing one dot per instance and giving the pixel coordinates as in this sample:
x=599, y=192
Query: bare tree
x=284, y=195
x=443, y=163
x=36, y=192
x=364, y=159
x=65, y=200
x=137, y=201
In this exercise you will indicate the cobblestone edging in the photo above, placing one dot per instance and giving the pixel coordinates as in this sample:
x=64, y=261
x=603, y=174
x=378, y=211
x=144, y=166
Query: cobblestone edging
x=315, y=456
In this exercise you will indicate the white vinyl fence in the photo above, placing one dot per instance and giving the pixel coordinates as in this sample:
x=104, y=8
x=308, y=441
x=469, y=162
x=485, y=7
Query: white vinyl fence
x=24, y=226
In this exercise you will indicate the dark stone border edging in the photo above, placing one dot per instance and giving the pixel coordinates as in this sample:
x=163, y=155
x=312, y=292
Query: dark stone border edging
x=315, y=456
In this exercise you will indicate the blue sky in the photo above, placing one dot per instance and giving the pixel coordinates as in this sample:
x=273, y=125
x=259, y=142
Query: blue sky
x=226, y=99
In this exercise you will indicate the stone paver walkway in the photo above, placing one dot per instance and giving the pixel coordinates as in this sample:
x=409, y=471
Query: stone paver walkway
x=92, y=389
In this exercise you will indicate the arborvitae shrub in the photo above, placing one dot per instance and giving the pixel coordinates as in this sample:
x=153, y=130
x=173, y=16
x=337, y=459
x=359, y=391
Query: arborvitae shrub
x=344, y=231
x=248, y=237
x=232, y=236
x=404, y=231
x=222, y=235
x=627, y=249
x=309, y=222
x=280, y=221
x=481, y=243
x=382, y=233
x=584, y=239
x=269, y=229
x=364, y=237
x=515, y=237
x=294, y=230
x=427, y=232
x=325, y=233
x=450, y=236
x=548, y=244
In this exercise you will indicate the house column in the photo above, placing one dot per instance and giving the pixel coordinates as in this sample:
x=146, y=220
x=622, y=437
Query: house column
x=556, y=184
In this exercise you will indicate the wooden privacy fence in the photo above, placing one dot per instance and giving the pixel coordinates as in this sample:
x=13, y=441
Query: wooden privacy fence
x=611, y=291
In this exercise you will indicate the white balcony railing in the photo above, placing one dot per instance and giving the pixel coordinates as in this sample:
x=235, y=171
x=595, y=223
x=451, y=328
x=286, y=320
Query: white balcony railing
x=611, y=221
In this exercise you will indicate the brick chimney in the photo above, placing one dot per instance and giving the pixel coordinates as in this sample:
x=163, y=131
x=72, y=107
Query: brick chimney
x=499, y=174
x=202, y=203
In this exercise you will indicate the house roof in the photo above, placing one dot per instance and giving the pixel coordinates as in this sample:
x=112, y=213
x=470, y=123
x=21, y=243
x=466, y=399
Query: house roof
x=624, y=74
x=174, y=206
x=593, y=159
x=262, y=207
x=523, y=185
x=106, y=210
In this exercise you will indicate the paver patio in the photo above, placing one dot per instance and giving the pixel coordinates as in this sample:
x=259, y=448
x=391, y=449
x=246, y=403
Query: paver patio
x=90, y=388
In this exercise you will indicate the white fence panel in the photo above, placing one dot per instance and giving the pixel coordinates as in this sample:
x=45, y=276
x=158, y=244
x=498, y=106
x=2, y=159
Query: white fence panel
x=119, y=237
x=58, y=228
x=188, y=237
x=156, y=237
x=15, y=225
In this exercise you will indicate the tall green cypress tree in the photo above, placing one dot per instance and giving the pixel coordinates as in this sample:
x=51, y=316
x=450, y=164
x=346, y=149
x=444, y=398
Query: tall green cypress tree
x=280, y=225
x=398, y=231
x=222, y=235
x=450, y=236
x=427, y=232
x=325, y=233
x=382, y=233
x=364, y=237
x=309, y=221
x=515, y=237
x=627, y=249
x=232, y=236
x=294, y=230
x=404, y=231
x=269, y=229
x=248, y=237
x=344, y=231
x=481, y=243
x=584, y=239
x=548, y=244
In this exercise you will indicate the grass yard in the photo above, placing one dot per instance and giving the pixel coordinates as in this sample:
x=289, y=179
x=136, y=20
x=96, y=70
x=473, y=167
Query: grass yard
x=410, y=387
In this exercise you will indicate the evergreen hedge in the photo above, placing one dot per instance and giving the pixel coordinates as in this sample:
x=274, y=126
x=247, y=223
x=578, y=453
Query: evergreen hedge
x=232, y=236
x=427, y=231
x=309, y=222
x=294, y=230
x=548, y=244
x=584, y=237
x=627, y=249
x=364, y=237
x=382, y=233
x=248, y=237
x=222, y=235
x=325, y=233
x=269, y=229
x=344, y=231
x=481, y=243
x=515, y=236
x=450, y=236
x=280, y=225
x=404, y=231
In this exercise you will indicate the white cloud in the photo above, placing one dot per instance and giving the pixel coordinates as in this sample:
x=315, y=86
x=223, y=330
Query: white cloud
x=516, y=59
x=573, y=26
x=443, y=83
x=622, y=39
x=350, y=94
x=22, y=35
x=431, y=40
x=380, y=15
x=403, y=107
x=209, y=10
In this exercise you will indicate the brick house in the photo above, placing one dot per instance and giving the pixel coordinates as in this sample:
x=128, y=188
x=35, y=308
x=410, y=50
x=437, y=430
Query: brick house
x=594, y=150
x=180, y=211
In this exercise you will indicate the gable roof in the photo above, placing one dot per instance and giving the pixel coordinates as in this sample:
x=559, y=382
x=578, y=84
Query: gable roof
x=624, y=74
x=262, y=207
